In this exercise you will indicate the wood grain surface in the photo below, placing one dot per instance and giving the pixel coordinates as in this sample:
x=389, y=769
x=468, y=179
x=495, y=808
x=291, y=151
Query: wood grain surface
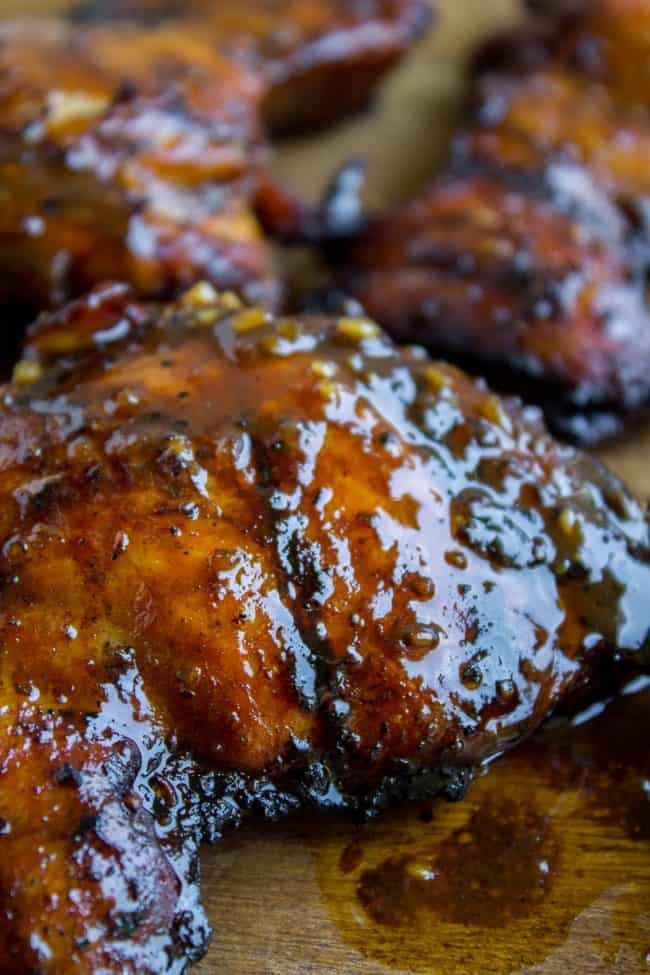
x=279, y=898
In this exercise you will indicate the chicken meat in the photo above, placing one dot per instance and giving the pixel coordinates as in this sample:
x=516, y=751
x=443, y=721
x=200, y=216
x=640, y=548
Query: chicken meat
x=253, y=564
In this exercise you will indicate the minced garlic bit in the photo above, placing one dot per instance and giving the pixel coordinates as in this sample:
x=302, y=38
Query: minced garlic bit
x=230, y=301
x=204, y=293
x=27, y=371
x=250, y=319
x=207, y=316
x=357, y=329
x=492, y=409
x=324, y=368
x=328, y=390
x=66, y=107
x=420, y=870
x=436, y=378
x=290, y=329
x=567, y=521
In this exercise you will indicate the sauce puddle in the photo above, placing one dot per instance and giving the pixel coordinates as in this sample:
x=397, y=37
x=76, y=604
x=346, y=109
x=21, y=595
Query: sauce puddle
x=544, y=867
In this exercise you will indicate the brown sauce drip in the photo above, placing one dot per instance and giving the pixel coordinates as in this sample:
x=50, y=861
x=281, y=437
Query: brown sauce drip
x=497, y=867
x=607, y=760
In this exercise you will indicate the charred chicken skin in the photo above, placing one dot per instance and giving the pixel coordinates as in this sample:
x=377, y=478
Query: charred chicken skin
x=319, y=59
x=527, y=259
x=253, y=564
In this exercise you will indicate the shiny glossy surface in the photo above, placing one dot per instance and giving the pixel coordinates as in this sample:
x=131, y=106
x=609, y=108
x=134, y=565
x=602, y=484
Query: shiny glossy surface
x=252, y=565
x=527, y=259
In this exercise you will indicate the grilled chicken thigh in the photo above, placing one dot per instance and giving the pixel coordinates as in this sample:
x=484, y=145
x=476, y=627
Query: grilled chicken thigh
x=527, y=258
x=253, y=564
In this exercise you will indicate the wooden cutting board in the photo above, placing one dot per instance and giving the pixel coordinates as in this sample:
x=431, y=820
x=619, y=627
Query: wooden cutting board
x=545, y=868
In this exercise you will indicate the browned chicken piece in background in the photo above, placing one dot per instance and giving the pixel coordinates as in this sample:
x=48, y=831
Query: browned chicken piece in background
x=501, y=276
x=257, y=564
x=134, y=150
x=565, y=92
x=528, y=257
x=320, y=59
x=130, y=154
x=607, y=40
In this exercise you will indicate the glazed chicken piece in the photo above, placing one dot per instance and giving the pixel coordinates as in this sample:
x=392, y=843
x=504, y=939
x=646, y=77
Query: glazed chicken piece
x=144, y=150
x=319, y=59
x=254, y=564
x=527, y=259
x=503, y=278
x=131, y=154
x=135, y=151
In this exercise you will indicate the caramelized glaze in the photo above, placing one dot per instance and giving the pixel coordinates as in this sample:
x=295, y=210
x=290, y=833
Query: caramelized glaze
x=253, y=565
